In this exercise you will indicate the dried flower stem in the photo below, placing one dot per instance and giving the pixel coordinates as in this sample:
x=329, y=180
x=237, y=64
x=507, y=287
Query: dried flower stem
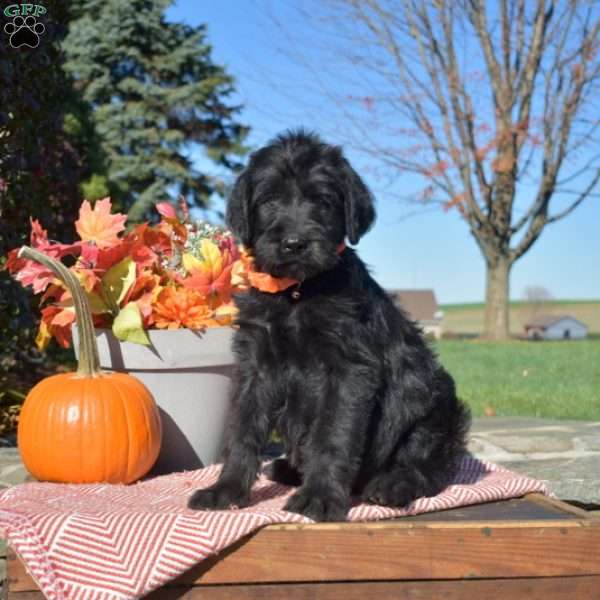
x=89, y=360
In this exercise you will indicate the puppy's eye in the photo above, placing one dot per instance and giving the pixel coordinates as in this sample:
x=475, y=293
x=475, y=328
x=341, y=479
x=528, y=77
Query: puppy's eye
x=267, y=201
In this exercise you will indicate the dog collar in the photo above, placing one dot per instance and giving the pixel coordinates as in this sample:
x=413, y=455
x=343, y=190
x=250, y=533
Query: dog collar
x=272, y=285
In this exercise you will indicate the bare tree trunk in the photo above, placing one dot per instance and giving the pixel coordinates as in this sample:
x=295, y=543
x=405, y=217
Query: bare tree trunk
x=496, y=320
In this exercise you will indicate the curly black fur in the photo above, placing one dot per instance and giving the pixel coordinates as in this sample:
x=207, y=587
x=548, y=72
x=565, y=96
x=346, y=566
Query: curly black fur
x=359, y=399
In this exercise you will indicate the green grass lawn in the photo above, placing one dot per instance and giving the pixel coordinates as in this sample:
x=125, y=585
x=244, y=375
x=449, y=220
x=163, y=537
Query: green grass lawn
x=541, y=379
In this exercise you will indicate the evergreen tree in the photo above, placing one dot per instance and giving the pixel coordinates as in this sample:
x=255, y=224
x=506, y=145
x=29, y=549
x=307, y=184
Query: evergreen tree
x=41, y=167
x=155, y=94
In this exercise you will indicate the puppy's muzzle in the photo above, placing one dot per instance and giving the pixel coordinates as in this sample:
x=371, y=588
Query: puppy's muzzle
x=293, y=245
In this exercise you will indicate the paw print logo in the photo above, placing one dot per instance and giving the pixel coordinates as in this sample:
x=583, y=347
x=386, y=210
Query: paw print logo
x=24, y=31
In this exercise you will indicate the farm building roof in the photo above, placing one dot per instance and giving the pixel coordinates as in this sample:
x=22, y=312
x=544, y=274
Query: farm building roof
x=420, y=305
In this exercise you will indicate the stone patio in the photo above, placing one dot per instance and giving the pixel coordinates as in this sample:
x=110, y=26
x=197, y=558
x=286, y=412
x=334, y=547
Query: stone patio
x=563, y=454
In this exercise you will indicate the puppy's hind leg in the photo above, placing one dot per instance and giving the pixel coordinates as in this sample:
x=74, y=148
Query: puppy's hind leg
x=427, y=460
x=397, y=486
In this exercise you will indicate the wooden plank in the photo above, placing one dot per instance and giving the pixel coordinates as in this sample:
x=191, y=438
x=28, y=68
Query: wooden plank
x=554, y=588
x=532, y=509
x=565, y=507
x=567, y=588
x=526, y=511
x=25, y=595
x=18, y=579
x=400, y=549
x=419, y=553
x=274, y=555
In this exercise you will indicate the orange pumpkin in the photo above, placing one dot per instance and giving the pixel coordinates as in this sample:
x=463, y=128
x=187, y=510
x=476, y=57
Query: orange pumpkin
x=88, y=426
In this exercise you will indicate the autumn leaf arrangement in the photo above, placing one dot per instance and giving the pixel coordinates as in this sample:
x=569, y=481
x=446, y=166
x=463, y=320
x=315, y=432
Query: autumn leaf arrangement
x=170, y=275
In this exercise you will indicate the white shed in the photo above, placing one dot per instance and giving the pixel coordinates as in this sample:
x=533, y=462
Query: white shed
x=556, y=327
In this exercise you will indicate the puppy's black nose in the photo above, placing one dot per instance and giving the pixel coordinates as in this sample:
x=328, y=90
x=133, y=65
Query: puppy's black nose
x=293, y=244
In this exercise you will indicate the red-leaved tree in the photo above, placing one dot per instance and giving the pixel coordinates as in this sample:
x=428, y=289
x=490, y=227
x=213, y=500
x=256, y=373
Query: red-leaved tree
x=493, y=104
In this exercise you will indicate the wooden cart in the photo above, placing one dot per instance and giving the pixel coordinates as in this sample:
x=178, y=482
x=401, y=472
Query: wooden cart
x=531, y=548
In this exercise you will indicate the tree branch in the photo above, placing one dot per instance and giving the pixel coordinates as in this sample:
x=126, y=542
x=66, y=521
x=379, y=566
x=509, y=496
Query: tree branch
x=587, y=192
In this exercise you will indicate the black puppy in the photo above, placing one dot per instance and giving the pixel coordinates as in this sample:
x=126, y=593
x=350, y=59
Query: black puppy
x=360, y=401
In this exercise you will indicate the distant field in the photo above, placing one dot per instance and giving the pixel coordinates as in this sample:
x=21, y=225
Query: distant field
x=541, y=379
x=468, y=318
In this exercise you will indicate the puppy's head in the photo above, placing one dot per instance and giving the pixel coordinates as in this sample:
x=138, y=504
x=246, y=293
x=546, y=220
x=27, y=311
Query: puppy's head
x=295, y=202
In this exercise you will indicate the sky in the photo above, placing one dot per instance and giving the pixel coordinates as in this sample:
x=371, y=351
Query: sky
x=405, y=248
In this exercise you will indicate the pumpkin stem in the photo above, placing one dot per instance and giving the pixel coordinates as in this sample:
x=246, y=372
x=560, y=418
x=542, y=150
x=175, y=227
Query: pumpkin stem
x=89, y=360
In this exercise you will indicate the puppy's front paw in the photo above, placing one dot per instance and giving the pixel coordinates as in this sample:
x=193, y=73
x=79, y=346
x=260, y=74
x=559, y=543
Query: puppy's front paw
x=218, y=497
x=319, y=506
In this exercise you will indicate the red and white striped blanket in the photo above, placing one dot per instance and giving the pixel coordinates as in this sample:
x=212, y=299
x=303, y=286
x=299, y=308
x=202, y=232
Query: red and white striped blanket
x=115, y=541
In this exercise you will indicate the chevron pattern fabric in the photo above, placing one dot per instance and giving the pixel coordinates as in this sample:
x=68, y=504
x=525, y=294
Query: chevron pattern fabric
x=100, y=542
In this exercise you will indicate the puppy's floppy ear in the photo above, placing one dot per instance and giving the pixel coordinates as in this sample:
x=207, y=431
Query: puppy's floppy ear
x=358, y=203
x=239, y=208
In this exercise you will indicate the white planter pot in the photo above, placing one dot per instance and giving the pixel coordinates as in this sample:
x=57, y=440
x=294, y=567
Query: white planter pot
x=189, y=373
